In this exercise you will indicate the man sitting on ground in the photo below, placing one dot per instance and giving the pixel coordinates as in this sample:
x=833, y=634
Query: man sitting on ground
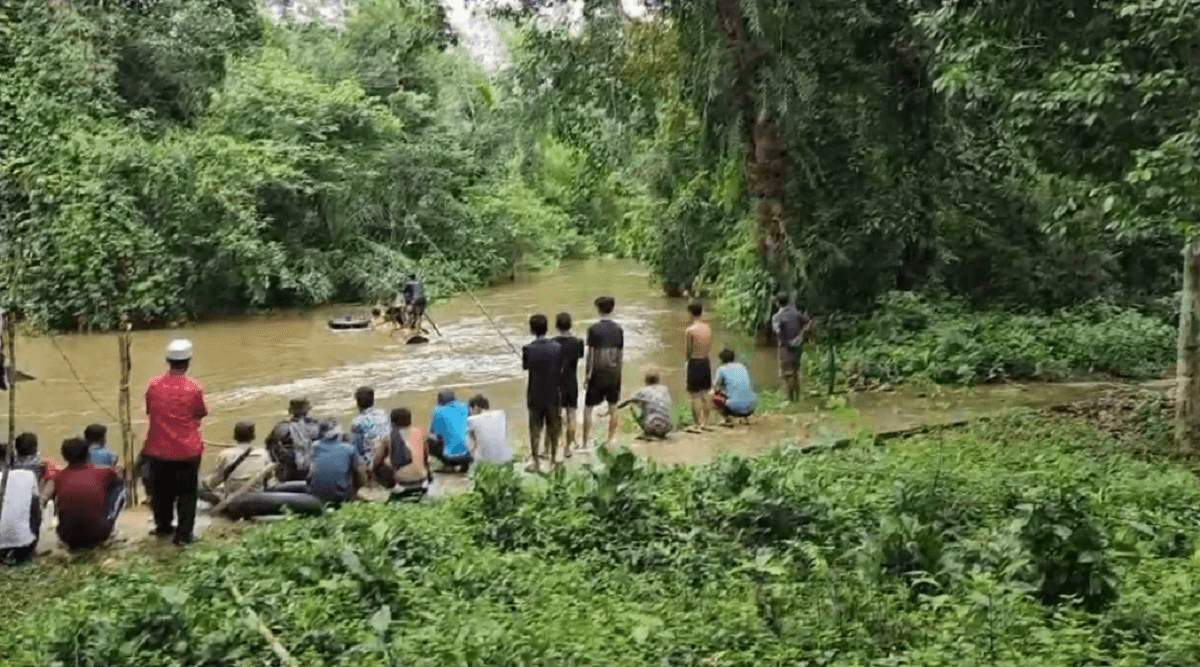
x=401, y=461
x=654, y=401
x=29, y=459
x=98, y=454
x=290, y=443
x=487, y=432
x=87, y=498
x=237, y=466
x=337, y=473
x=734, y=394
x=369, y=425
x=448, y=433
x=21, y=516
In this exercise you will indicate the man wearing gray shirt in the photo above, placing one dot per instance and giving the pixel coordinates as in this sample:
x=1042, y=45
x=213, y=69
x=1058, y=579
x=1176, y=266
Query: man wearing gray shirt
x=791, y=328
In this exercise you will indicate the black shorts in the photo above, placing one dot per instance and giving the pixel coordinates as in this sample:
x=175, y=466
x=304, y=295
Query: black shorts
x=699, y=375
x=601, y=389
x=568, y=395
x=546, y=418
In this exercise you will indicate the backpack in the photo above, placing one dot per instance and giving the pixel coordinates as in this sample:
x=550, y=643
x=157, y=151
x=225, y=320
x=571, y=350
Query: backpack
x=400, y=453
x=290, y=447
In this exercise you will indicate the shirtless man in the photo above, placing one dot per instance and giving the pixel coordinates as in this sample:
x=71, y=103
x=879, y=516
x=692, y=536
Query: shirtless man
x=697, y=344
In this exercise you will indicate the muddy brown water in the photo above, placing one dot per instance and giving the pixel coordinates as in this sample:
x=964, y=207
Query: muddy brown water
x=251, y=366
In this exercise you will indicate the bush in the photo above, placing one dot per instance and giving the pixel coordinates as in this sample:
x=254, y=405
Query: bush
x=942, y=339
x=1009, y=543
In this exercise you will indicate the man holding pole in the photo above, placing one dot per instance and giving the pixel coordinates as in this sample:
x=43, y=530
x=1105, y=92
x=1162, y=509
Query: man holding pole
x=174, y=407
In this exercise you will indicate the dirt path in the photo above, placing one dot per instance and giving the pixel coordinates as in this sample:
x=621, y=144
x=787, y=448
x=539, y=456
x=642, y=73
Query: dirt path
x=813, y=421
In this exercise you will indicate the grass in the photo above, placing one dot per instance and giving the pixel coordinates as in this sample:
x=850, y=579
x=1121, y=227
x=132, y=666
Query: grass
x=1024, y=540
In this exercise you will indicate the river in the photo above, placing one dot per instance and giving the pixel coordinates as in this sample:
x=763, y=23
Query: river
x=251, y=366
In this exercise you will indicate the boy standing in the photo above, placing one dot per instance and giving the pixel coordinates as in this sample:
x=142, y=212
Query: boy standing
x=571, y=348
x=543, y=359
x=602, y=378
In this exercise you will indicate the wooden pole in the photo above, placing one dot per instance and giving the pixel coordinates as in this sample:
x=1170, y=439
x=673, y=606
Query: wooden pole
x=10, y=336
x=123, y=412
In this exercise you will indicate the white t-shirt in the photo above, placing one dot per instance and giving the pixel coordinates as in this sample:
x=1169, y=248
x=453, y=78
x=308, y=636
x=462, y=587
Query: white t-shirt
x=490, y=431
x=18, y=505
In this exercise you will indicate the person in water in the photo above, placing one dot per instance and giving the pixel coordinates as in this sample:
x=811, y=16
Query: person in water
x=791, y=328
x=487, y=432
x=338, y=472
x=87, y=498
x=237, y=466
x=98, y=454
x=602, y=377
x=734, y=395
x=697, y=342
x=652, y=410
x=572, y=350
x=447, y=439
x=414, y=300
x=369, y=425
x=542, y=358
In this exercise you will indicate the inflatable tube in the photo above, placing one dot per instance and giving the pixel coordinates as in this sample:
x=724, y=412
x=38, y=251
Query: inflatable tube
x=266, y=503
x=413, y=340
x=350, y=322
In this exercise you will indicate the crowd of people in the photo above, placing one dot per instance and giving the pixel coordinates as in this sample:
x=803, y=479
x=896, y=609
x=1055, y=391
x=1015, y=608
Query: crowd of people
x=303, y=454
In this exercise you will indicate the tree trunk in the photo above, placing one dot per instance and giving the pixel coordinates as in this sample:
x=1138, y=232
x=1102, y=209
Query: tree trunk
x=766, y=166
x=1187, y=397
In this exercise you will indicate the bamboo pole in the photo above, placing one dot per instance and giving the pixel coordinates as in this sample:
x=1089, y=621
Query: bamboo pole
x=1187, y=391
x=123, y=412
x=10, y=335
x=277, y=646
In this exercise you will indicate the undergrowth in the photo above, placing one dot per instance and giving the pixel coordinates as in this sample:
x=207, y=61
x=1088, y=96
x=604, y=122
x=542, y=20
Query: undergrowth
x=945, y=341
x=1021, y=541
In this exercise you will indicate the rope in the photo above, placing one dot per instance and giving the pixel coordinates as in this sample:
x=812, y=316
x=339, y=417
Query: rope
x=54, y=342
x=466, y=289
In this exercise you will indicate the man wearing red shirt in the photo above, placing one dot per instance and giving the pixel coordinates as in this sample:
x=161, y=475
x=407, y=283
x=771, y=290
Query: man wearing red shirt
x=87, y=498
x=174, y=407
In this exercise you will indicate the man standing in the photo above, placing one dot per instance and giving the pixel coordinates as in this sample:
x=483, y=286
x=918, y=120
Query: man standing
x=697, y=341
x=174, y=407
x=602, y=383
x=369, y=425
x=791, y=327
x=572, y=351
x=543, y=359
x=414, y=300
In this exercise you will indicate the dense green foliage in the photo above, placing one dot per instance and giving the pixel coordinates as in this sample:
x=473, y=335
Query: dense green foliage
x=918, y=153
x=184, y=157
x=945, y=341
x=1020, y=542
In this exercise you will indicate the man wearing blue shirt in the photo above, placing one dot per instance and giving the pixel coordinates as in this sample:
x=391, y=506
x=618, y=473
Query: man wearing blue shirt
x=448, y=433
x=337, y=470
x=98, y=454
x=734, y=395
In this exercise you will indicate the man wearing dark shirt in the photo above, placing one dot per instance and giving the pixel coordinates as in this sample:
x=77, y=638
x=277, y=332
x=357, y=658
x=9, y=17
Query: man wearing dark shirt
x=602, y=379
x=414, y=300
x=87, y=498
x=791, y=327
x=543, y=359
x=572, y=352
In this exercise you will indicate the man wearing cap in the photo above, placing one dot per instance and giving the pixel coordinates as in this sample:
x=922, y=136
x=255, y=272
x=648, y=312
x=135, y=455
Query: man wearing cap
x=174, y=408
